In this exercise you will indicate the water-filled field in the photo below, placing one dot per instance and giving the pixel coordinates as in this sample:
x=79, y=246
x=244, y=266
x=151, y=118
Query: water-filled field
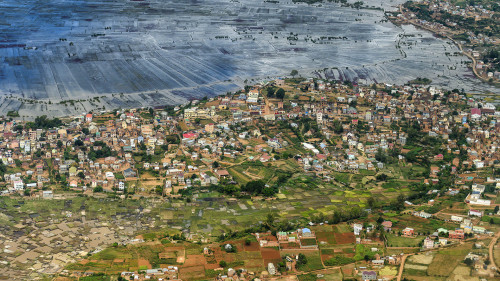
x=132, y=53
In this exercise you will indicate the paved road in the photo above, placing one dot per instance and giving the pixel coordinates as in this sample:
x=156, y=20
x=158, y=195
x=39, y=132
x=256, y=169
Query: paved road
x=474, y=70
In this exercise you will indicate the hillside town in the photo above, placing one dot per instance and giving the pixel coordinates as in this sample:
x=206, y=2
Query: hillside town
x=410, y=166
x=337, y=128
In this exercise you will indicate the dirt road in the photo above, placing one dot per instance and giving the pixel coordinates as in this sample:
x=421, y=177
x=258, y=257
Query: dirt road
x=491, y=247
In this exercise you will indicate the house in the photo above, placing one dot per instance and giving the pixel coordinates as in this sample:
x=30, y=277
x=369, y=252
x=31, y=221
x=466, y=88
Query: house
x=110, y=176
x=424, y=215
x=282, y=236
x=129, y=173
x=475, y=113
x=306, y=232
x=47, y=194
x=387, y=225
x=408, y=232
x=442, y=230
x=88, y=117
x=478, y=229
x=428, y=243
x=369, y=275
x=72, y=171
x=18, y=185
x=271, y=269
x=253, y=96
x=475, y=213
x=210, y=128
x=357, y=228
x=222, y=174
x=456, y=234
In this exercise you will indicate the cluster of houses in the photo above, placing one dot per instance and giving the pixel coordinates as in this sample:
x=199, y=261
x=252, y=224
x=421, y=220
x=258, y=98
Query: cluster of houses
x=100, y=150
x=160, y=274
x=442, y=236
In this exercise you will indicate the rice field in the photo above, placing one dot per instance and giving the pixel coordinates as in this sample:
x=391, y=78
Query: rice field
x=130, y=54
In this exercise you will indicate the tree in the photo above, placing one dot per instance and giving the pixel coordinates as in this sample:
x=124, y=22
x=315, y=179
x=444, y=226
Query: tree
x=337, y=127
x=81, y=175
x=380, y=220
x=270, y=91
x=370, y=202
x=270, y=219
x=222, y=263
x=381, y=177
x=280, y=93
x=159, y=190
x=18, y=128
x=381, y=156
x=468, y=261
x=98, y=189
x=302, y=259
x=215, y=164
x=254, y=187
x=400, y=202
x=294, y=73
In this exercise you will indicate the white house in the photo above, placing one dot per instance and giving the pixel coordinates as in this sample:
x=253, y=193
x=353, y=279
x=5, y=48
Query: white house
x=357, y=228
x=18, y=185
x=271, y=269
x=475, y=213
x=88, y=117
x=424, y=215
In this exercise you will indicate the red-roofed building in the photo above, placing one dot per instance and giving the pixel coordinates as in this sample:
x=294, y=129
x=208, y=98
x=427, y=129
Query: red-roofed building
x=321, y=156
x=189, y=136
x=387, y=225
x=408, y=232
x=88, y=117
x=475, y=113
x=457, y=234
x=222, y=173
x=438, y=157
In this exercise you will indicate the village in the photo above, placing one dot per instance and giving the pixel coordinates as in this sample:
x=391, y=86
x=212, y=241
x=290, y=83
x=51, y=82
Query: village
x=287, y=178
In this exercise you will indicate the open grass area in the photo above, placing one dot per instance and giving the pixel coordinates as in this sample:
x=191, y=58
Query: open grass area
x=400, y=241
x=313, y=260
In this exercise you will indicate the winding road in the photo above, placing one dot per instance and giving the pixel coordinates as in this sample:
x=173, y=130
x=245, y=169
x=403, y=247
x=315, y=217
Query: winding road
x=491, y=248
x=474, y=63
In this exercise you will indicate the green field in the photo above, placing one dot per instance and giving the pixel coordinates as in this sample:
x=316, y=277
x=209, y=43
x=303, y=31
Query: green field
x=400, y=241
